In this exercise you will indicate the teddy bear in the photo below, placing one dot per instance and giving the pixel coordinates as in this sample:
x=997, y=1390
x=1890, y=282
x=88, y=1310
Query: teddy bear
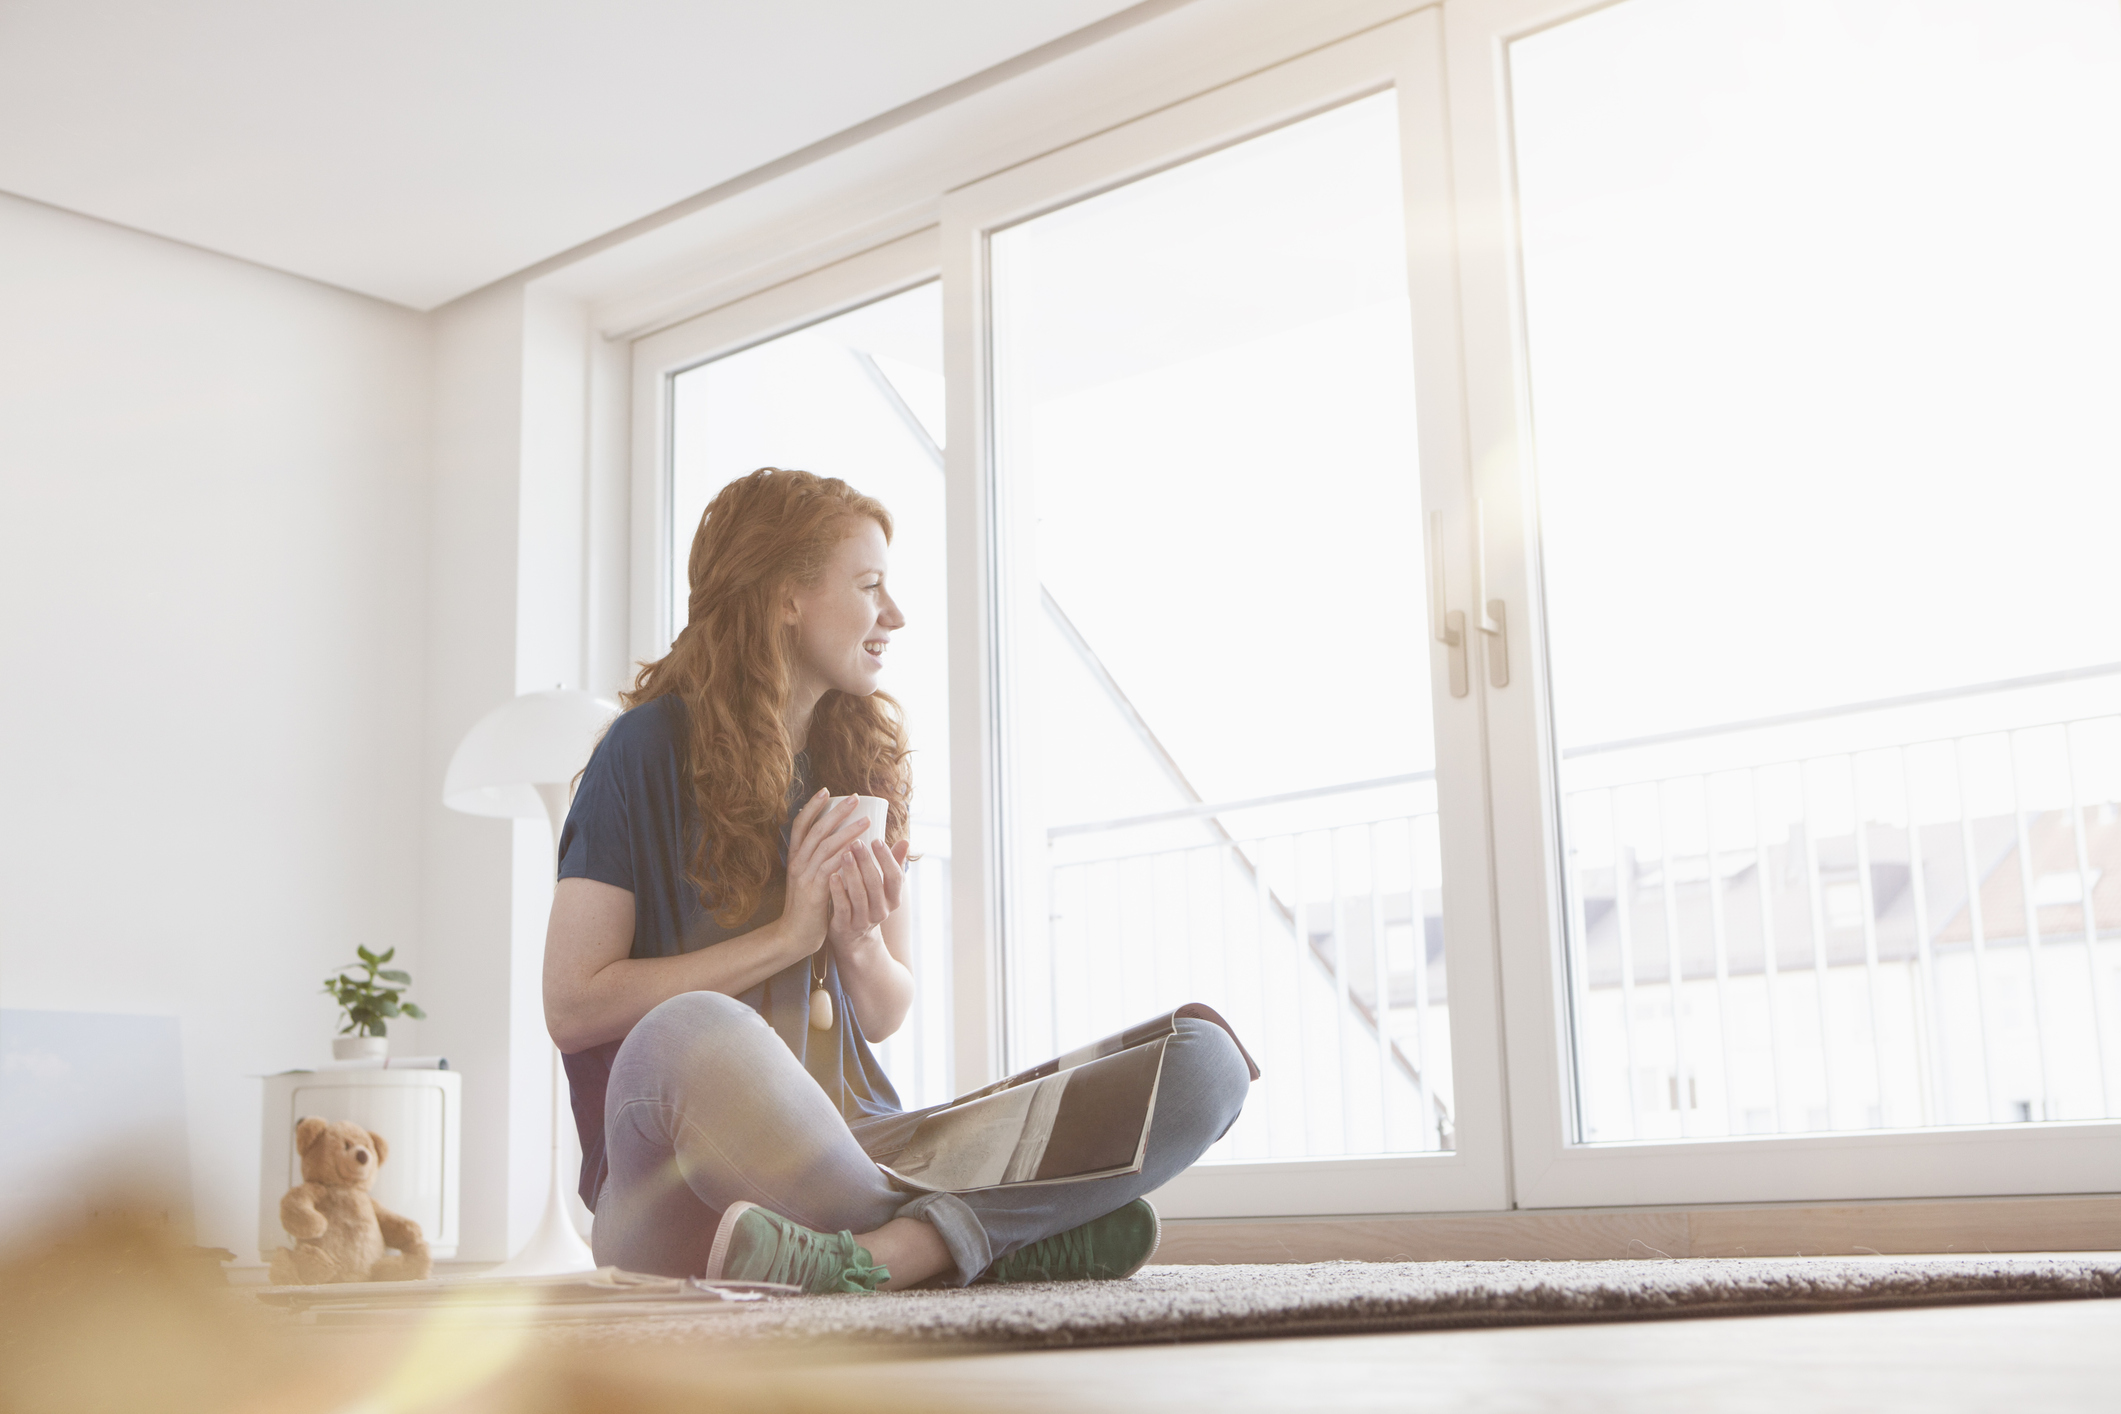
x=341, y=1233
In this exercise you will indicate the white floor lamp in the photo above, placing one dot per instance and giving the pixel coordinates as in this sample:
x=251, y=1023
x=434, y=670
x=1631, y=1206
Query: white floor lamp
x=517, y=763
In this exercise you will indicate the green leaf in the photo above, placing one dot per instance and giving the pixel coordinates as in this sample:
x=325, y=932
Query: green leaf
x=363, y=1000
x=415, y=1012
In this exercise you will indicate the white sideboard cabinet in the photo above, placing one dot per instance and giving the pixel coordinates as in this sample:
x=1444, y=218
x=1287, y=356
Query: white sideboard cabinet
x=419, y=1113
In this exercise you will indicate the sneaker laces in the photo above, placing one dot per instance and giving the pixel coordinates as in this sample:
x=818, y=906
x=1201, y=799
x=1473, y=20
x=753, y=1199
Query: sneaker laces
x=1069, y=1248
x=1061, y=1251
x=825, y=1262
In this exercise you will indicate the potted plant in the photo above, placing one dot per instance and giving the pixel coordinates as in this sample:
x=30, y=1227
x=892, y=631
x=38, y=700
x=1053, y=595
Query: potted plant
x=367, y=1002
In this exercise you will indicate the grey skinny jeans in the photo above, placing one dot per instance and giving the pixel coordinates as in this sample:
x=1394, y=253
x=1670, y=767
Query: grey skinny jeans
x=706, y=1106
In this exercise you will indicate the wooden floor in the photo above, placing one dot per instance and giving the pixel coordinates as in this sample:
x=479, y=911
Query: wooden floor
x=2044, y=1356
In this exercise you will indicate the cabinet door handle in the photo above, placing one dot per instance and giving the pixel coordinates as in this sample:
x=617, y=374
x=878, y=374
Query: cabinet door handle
x=1448, y=625
x=1494, y=621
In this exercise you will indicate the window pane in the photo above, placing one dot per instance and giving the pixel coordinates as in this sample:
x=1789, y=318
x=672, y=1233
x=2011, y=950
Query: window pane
x=859, y=397
x=1825, y=326
x=1205, y=390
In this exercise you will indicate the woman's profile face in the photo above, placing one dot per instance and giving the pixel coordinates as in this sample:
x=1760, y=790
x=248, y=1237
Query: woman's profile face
x=844, y=622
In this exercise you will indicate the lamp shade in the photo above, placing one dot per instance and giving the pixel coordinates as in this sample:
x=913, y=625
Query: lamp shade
x=539, y=739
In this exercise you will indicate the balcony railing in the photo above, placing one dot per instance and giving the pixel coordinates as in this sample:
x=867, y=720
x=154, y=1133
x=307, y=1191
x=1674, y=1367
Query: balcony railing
x=1320, y=938
x=1900, y=934
x=1903, y=928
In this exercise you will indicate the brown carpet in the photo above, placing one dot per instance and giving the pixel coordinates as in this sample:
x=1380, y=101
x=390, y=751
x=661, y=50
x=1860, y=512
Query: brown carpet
x=1163, y=1304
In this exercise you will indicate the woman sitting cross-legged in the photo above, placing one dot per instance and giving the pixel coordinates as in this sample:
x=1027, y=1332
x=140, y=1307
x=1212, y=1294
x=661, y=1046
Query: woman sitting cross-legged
x=709, y=886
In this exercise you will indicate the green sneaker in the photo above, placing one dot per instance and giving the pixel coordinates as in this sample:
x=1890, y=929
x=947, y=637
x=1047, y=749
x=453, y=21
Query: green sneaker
x=753, y=1244
x=1109, y=1248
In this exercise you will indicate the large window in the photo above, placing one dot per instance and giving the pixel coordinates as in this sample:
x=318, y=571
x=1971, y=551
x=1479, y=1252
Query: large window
x=1232, y=761
x=1815, y=478
x=1820, y=440
x=1206, y=392
x=1545, y=558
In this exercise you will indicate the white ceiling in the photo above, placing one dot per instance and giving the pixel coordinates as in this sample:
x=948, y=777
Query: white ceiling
x=417, y=149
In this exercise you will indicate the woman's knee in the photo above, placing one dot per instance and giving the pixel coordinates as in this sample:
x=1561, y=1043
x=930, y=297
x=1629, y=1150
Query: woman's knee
x=689, y=1016
x=1212, y=1069
x=690, y=1031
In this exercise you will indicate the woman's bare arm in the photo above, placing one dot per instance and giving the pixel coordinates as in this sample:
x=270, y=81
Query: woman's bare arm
x=595, y=991
x=878, y=976
x=871, y=938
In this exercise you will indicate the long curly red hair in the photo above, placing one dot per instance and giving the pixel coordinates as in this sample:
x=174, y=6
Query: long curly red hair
x=763, y=535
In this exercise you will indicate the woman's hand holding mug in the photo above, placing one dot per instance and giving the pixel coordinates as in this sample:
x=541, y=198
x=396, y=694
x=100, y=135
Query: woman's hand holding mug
x=869, y=881
x=819, y=840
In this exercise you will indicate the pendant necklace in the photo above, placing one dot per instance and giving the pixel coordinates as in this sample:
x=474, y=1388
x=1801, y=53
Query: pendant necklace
x=820, y=999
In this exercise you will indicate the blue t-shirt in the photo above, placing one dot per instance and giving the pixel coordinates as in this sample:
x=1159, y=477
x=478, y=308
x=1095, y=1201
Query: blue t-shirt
x=632, y=826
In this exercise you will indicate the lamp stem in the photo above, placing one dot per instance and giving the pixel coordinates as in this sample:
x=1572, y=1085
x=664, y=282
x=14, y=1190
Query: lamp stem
x=555, y=1248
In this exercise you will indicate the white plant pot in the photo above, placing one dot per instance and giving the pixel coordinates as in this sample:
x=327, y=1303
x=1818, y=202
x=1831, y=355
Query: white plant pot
x=348, y=1048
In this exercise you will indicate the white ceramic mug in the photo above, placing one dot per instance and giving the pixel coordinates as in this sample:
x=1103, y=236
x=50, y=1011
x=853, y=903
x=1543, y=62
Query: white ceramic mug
x=874, y=808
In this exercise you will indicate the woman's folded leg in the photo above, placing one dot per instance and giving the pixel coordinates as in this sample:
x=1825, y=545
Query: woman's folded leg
x=1201, y=1092
x=707, y=1107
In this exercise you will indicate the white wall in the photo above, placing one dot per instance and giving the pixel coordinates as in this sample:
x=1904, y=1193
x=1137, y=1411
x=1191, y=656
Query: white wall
x=213, y=602
x=466, y=902
x=267, y=550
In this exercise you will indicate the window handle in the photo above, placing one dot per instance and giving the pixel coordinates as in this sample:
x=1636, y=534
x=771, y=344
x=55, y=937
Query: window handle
x=1448, y=625
x=1493, y=621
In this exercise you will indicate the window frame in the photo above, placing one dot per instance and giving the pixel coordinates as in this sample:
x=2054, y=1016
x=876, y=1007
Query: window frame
x=657, y=358
x=990, y=530
x=1551, y=1167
